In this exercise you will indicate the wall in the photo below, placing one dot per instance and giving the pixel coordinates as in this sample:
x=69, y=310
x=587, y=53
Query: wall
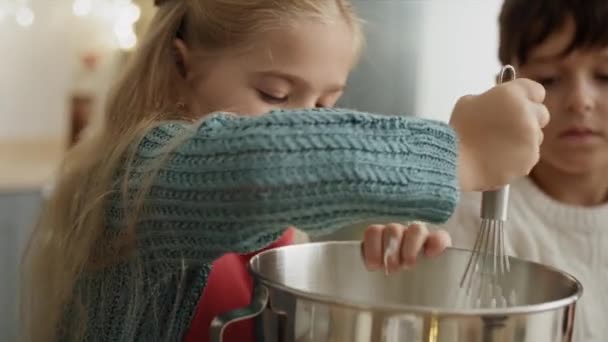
x=34, y=72
x=458, y=53
x=422, y=55
x=37, y=66
x=385, y=80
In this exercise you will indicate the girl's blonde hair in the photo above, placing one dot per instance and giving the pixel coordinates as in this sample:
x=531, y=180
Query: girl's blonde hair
x=71, y=237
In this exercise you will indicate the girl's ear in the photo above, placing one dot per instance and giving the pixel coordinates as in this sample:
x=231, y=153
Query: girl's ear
x=183, y=58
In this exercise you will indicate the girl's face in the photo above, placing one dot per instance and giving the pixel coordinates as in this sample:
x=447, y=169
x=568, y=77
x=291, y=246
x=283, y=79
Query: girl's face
x=297, y=66
x=576, y=139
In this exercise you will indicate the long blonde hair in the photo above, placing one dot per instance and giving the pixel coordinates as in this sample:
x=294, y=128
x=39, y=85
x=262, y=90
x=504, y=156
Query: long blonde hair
x=71, y=237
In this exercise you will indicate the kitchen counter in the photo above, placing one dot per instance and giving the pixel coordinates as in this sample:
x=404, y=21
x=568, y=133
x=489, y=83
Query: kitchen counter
x=28, y=164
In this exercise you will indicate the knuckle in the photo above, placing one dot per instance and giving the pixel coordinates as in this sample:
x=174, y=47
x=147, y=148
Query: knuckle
x=417, y=228
x=526, y=83
x=445, y=237
x=465, y=98
x=538, y=89
x=373, y=230
x=394, y=228
x=545, y=116
x=375, y=227
x=513, y=88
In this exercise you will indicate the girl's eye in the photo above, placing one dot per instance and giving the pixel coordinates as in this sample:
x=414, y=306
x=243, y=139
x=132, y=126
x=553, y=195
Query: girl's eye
x=272, y=99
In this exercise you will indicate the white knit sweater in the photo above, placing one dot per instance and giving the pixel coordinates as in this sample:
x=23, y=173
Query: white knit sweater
x=573, y=239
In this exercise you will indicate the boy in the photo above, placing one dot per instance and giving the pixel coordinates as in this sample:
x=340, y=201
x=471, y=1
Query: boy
x=559, y=214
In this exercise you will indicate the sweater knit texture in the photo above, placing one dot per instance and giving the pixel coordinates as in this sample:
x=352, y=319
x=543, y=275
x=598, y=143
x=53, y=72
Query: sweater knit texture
x=234, y=184
x=569, y=238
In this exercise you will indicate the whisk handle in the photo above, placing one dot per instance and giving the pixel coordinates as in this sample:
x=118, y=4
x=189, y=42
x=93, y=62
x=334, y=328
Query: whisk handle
x=494, y=204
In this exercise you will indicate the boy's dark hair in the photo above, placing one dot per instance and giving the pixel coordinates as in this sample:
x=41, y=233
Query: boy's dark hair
x=524, y=24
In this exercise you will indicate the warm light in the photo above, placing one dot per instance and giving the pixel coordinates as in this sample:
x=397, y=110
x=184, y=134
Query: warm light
x=119, y=15
x=122, y=29
x=82, y=8
x=106, y=11
x=127, y=41
x=131, y=13
x=127, y=15
x=125, y=35
x=24, y=16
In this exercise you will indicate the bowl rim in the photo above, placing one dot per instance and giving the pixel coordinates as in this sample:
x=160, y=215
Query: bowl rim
x=399, y=309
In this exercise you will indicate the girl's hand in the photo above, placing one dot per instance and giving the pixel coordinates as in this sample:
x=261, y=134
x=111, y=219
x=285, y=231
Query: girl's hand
x=500, y=133
x=403, y=243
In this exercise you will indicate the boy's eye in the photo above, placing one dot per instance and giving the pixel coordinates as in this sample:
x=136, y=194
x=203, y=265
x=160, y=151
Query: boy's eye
x=602, y=77
x=273, y=99
x=546, y=81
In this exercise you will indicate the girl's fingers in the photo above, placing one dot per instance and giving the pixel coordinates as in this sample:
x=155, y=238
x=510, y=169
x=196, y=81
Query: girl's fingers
x=414, y=239
x=372, y=246
x=437, y=242
x=394, y=246
x=391, y=241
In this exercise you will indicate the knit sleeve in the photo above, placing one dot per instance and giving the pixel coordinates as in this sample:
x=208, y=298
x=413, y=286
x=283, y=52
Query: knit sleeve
x=464, y=223
x=234, y=184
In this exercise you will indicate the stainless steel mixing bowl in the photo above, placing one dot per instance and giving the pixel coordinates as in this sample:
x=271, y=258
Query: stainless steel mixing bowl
x=323, y=292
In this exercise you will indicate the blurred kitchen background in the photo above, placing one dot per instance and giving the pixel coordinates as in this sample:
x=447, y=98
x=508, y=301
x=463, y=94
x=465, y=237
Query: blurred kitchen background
x=59, y=57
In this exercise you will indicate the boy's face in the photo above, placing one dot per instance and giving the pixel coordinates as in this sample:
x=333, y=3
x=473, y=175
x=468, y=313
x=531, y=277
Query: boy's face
x=576, y=139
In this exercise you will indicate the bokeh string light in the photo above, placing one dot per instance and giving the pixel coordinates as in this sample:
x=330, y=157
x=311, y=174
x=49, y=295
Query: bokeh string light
x=119, y=15
x=19, y=10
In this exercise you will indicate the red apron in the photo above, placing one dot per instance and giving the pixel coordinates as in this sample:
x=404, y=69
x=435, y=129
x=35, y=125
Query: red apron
x=229, y=287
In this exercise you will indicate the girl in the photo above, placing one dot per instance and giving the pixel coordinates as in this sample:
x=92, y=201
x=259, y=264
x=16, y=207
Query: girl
x=559, y=215
x=169, y=185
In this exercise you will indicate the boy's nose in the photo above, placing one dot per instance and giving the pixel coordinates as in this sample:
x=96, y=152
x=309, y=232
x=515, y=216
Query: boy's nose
x=581, y=98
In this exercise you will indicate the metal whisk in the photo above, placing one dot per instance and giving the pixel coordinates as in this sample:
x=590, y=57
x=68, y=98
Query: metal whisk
x=488, y=261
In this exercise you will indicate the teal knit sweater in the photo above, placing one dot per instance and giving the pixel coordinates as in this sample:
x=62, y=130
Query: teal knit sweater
x=234, y=184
